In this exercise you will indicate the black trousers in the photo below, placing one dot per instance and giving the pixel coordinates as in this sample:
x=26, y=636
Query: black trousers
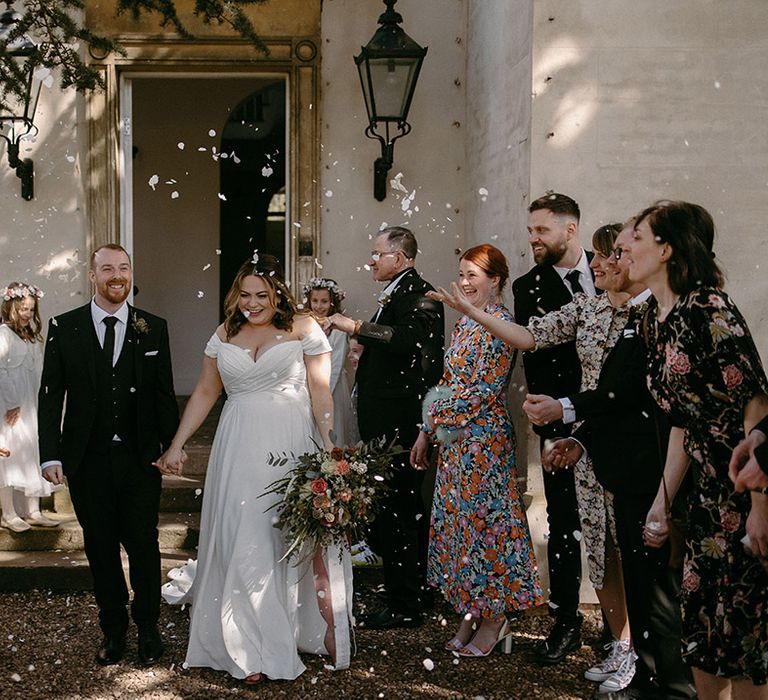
x=652, y=590
x=563, y=549
x=400, y=533
x=116, y=501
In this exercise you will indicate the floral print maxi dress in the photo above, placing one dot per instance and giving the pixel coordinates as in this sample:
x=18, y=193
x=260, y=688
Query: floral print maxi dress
x=703, y=368
x=480, y=551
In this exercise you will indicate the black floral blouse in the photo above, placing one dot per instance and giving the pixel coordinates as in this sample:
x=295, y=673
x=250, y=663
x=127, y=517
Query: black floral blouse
x=703, y=368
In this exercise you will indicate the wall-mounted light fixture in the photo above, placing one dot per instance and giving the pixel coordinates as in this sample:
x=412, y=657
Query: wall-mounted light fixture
x=17, y=108
x=389, y=66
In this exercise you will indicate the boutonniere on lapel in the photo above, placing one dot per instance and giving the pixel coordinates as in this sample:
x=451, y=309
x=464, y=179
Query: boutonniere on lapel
x=140, y=326
x=384, y=299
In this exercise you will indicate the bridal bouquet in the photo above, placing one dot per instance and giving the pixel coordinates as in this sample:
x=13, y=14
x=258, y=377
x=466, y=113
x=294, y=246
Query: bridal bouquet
x=331, y=496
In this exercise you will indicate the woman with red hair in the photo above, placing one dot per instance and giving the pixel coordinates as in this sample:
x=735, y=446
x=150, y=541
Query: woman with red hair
x=480, y=551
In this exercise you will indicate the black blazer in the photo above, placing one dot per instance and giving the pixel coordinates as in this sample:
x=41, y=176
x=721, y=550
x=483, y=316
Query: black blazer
x=403, y=354
x=552, y=371
x=69, y=373
x=621, y=418
x=761, y=451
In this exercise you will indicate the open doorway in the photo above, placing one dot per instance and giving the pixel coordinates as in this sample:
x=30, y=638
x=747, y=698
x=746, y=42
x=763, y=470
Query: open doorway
x=204, y=172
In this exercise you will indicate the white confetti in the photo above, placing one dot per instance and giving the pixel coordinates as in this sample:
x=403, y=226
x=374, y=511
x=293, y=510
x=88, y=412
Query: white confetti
x=174, y=195
x=428, y=664
x=266, y=171
x=329, y=193
x=212, y=133
x=153, y=181
x=222, y=197
x=205, y=267
x=16, y=678
x=180, y=145
x=577, y=535
x=200, y=293
x=198, y=492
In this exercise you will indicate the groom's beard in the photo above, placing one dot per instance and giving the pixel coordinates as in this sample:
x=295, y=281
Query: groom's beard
x=116, y=296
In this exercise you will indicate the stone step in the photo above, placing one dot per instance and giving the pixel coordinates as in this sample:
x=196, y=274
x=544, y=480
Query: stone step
x=176, y=530
x=197, y=460
x=182, y=494
x=65, y=571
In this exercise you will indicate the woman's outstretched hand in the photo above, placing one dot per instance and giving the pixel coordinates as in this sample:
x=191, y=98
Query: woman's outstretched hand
x=456, y=298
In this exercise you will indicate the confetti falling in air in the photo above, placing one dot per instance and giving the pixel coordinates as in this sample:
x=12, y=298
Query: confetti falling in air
x=212, y=133
x=266, y=171
x=428, y=664
x=174, y=195
x=222, y=197
x=329, y=193
x=205, y=267
x=153, y=181
x=200, y=293
x=180, y=145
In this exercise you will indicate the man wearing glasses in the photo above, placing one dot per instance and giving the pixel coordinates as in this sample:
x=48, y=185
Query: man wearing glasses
x=402, y=358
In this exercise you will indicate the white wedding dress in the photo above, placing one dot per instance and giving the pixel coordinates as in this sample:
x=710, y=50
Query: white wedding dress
x=252, y=612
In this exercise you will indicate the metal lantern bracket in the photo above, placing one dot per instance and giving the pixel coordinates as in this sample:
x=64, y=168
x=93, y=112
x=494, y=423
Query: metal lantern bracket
x=19, y=126
x=383, y=165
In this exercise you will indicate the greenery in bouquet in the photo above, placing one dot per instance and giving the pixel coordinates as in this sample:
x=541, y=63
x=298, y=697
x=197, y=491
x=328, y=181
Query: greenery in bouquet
x=331, y=496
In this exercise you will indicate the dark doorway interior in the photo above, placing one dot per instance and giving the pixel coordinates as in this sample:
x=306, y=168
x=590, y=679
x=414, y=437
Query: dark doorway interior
x=252, y=169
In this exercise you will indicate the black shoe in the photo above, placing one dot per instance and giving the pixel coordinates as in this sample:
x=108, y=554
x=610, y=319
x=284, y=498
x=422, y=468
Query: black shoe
x=387, y=619
x=111, y=650
x=564, y=638
x=150, y=645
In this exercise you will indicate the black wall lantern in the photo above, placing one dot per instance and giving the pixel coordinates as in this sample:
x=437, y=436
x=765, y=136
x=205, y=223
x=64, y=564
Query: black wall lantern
x=389, y=67
x=18, y=113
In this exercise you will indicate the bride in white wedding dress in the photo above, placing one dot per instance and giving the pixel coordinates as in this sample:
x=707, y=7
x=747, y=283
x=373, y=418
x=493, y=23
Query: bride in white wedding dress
x=252, y=611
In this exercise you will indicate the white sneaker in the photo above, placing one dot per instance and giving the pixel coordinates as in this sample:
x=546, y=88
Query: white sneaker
x=365, y=556
x=621, y=679
x=617, y=652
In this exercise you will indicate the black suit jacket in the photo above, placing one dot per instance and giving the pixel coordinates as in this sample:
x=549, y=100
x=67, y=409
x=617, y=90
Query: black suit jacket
x=761, y=452
x=403, y=353
x=552, y=371
x=69, y=373
x=621, y=420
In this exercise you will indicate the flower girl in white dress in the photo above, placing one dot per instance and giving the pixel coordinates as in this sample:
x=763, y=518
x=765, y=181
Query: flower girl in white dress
x=21, y=363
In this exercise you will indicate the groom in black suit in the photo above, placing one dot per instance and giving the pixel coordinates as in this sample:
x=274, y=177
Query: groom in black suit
x=111, y=364
x=402, y=358
x=561, y=270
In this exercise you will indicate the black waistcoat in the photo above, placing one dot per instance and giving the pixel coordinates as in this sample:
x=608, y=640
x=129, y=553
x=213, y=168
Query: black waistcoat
x=115, y=397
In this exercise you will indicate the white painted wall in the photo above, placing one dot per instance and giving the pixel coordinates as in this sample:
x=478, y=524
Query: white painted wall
x=639, y=101
x=43, y=241
x=432, y=157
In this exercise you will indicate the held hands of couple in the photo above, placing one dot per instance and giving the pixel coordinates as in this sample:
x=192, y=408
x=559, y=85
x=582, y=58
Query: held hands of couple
x=561, y=454
x=542, y=409
x=171, y=461
x=656, y=529
x=743, y=469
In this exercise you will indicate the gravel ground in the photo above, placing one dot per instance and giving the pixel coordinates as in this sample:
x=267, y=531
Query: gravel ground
x=49, y=640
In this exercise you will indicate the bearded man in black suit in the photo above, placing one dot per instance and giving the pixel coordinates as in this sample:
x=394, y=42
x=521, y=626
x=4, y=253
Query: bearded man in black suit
x=561, y=270
x=110, y=364
x=402, y=358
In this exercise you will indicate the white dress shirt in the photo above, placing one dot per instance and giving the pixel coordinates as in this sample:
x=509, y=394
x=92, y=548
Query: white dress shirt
x=98, y=315
x=585, y=278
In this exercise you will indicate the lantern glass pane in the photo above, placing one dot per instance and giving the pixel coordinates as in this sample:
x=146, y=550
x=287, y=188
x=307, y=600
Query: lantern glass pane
x=362, y=68
x=392, y=81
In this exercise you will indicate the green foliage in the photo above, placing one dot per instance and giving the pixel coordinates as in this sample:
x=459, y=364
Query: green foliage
x=58, y=27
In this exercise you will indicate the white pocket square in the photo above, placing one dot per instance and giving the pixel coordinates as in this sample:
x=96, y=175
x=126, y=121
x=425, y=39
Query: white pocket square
x=150, y=353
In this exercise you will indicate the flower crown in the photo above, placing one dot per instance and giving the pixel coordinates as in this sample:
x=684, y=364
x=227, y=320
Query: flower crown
x=323, y=283
x=25, y=290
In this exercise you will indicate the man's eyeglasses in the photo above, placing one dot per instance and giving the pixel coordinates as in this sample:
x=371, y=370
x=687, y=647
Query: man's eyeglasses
x=376, y=255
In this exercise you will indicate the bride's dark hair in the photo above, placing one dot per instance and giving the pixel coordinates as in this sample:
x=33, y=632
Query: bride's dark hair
x=271, y=272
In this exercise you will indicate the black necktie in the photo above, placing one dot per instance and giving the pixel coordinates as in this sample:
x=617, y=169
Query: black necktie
x=573, y=279
x=109, y=338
